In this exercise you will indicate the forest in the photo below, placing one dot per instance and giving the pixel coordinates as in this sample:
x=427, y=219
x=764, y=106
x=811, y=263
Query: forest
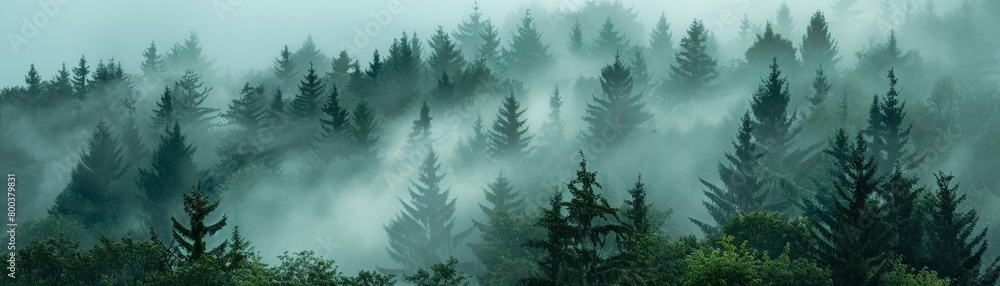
x=587, y=142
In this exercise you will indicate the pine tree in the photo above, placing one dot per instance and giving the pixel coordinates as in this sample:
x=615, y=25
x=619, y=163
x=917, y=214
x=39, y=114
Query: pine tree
x=509, y=138
x=34, y=97
x=172, y=171
x=694, y=68
x=445, y=89
x=503, y=233
x=406, y=68
x=469, y=34
x=189, y=56
x=445, y=56
x=189, y=95
x=375, y=66
x=305, y=107
x=80, y=83
x=771, y=46
x=879, y=58
x=336, y=125
x=87, y=196
x=284, y=69
x=163, y=115
x=555, y=260
x=888, y=136
x=422, y=234
x=240, y=253
x=153, y=65
x=772, y=123
x=490, y=50
x=191, y=239
x=661, y=47
x=955, y=247
x=420, y=138
x=821, y=89
x=852, y=237
x=276, y=114
x=242, y=145
x=784, y=19
x=747, y=30
x=132, y=141
x=308, y=53
x=477, y=146
x=902, y=216
x=641, y=79
x=553, y=130
x=363, y=130
x=742, y=190
x=527, y=55
x=60, y=88
x=843, y=111
x=340, y=72
x=609, y=41
x=818, y=47
x=618, y=110
x=576, y=45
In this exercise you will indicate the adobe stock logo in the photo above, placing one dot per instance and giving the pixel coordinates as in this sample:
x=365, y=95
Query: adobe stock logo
x=31, y=25
x=381, y=18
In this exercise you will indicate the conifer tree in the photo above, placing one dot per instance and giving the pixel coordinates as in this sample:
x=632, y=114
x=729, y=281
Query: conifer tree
x=576, y=45
x=469, y=34
x=742, y=191
x=363, y=136
x=784, y=19
x=375, y=66
x=889, y=137
x=163, y=115
x=618, y=110
x=308, y=53
x=641, y=79
x=490, y=50
x=284, y=69
x=509, y=138
x=422, y=234
x=879, y=58
x=420, y=138
x=852, y=236
x=527, y=55
x=191, y=239
x=189, y=56
x=553, y=130
x=246, y=120
x=504, y=232
x=240, y=253
x=555, y=261
x=609, y=41
x=747, y=30
x=445, y=89
x=340, y=72
x=305, y=107
x=694, y=68
x=956, y=249
x=34, y=87
x=336, y=125
x=445, y=56
x=661, y=46
x=172, y=170
x=188, y=99
x=821, y=89
x=818, y=47
x=276, y=114
x=153, y=65
x=478, y=145
x=407, y=73
x=771, y=46
x=769, y=106
x=901, y=213
x=80, y=82
x=60, y=88
x=87, y=196
x=132, y=141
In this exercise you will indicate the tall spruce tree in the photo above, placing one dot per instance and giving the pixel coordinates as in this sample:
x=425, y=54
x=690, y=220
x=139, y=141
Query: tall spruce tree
x=553, y=131
x=527, y=55
x=60, y=88
x=852, y=236
x=276, y=113
x=305, y=107
x=509, y=138
x=742, y=190
x=771, y=46
x=246, y=120
x=422, y=234
x=555, y=261
x=503, y=233
x=576, y=45
x=478, y=145
x=172, y=170
x=363, y=136
x=80, y=82
x=693, y=69
x=769, y=106
x=406, y=68
x=618, y=110
x=191, y=239
x=609, y=41
x=641, y=80
x=188, y=99
x=153, y=65
x=189, y=56
x=34, y=98
x=661, y=47
x=340, y=71
x=308, y=53
x=955, y=247
x=239, y=253
x=470, y=31
x=284, y=69
x=444, y=91
x=784, y=19
x=420, y=138
x=818, y=47
x=490, y=50
x=87, y=196
x=445, y=55
x=163, y=115
x=902, y=214
x=821, y=89
x=132, y=141
x=888, y=135
x=335, y=138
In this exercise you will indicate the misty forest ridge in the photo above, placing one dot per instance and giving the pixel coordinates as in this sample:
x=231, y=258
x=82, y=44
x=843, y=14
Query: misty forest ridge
x=836, y=143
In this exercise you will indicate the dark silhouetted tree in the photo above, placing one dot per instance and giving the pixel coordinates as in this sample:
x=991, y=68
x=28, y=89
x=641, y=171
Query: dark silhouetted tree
x=618, y=110
x=818, y=47
x=189, y=56
x=420, y=139
x=693, y=69
x=509, y=138
x=956, y=249
x=80, y=82
x=192, y=239
x=284, y=69
x=87, y=196
x=188, y=99
x=363, y=129
x=490, y=51
x=888, y=135
x=340, y=71
x=336, y=125
x=553, y=131
x=821, y=89
x=527, y=55
x=769, y=107
x=608, y=41
x=445, y=55
x=246, y=121
x=305, y=107
x=163, y=115
x=153, y=65
x=506, y=229
x=768, y=47
x=172, y=170
x=576, y=45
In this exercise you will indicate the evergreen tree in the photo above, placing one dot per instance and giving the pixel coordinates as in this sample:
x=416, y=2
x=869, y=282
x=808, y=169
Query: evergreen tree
x=609, y=41
x=509, y=138
x=60, y=88
x=422, y=234
x=445, y=89
x=336, y=125
x=818, y=47
x=956, y=249
x=527, y=54
x=490, y=50
x=661, y=46
x=477, y=146
x=503, y=233
x=305, y=107
x=363, y=135
x=747, y=30
x=555, y=260
x=80, y=83
x=240, y=253
x=34, y=98
x=406, y=68
x=340, y=71
x=276, y=114
x=784, y=19
x=242, y=145
x=576, y=45
x=821, y=89
x=284, y=69
x=375, y=66
x=153, y=65
x=470, y=32
x=742, y=190
x=163, y=115
x=189, y=95
x=772, y=123
x=902, y=215
x=852, y=237
x=87, y=196
x=308, y=53
x=771, y=46
x=189, y=56
x=420, y=135
x=132, y=141
x=879, y=58
x=888, y=136
x=618, y=110
x=843, y=111
x=553, y=130
x=191, y=239
x=640, y=73
x=694, y=68
x=172, y=170
x=445, y=56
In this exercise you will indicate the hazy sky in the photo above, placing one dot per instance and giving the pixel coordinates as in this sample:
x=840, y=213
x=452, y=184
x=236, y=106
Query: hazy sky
x=248, y=34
